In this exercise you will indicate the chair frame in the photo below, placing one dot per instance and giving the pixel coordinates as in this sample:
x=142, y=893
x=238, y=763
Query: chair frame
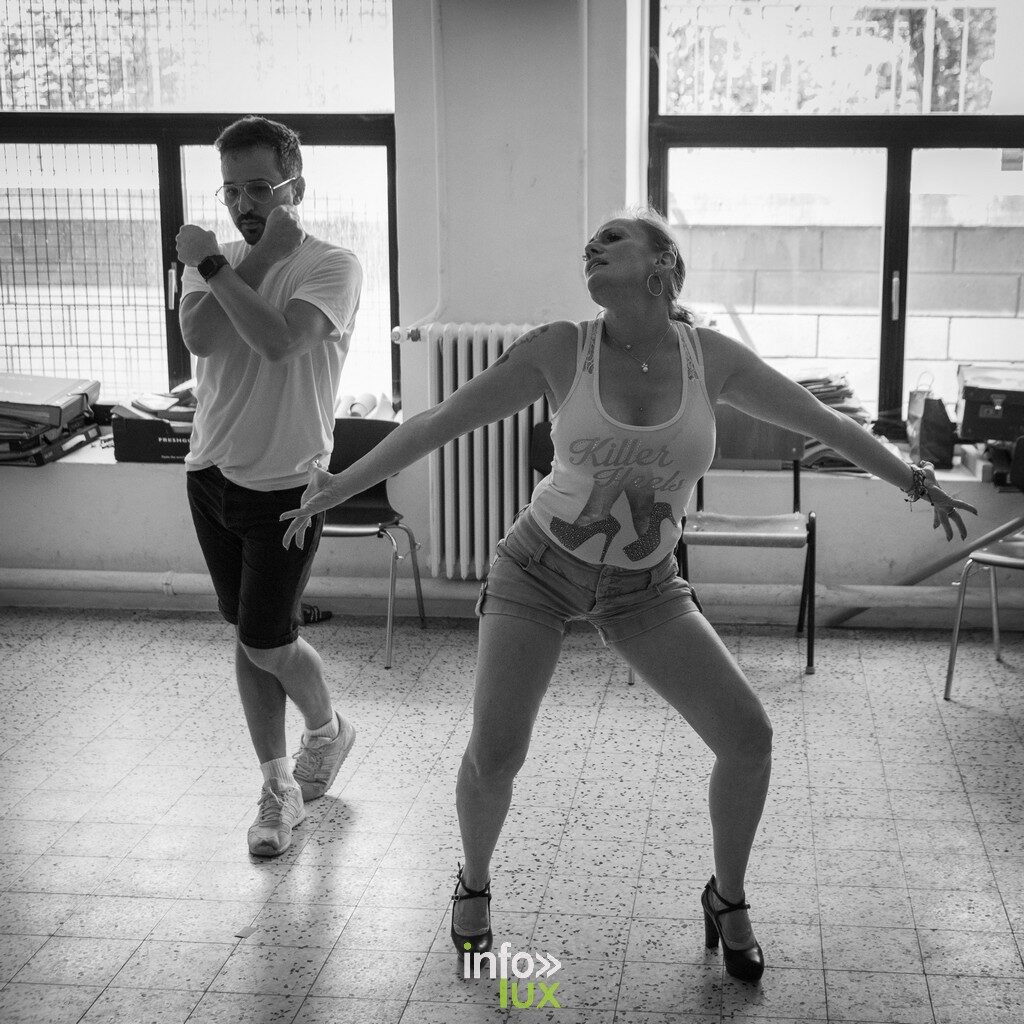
x=989, y=559
x=806, y=612
x=379, y=495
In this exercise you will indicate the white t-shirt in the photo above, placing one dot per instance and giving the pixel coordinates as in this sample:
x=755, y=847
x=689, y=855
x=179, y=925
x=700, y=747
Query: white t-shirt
x=261, y=423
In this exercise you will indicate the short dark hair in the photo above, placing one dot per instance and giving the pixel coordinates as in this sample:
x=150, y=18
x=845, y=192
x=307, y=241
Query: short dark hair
x=253, y=130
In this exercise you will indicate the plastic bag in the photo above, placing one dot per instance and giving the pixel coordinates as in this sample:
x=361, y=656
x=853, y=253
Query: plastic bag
x=929, y=429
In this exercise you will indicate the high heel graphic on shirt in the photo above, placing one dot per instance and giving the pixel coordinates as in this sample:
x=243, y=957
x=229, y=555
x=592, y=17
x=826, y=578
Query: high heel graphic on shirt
x=648, y=541
x=572, y=535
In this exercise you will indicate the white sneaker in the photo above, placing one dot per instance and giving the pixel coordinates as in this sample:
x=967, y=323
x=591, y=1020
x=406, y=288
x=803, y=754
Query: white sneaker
x=318, y=761
x=280, y=811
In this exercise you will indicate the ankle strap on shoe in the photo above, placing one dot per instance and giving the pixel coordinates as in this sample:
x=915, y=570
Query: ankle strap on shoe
x=728, y=907
x=469, y=894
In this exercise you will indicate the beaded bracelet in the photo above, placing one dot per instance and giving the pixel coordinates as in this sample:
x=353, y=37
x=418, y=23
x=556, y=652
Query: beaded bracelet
x=919, y=488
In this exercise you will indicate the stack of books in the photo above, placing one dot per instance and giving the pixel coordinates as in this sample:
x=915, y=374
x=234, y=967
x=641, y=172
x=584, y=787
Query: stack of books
x=835, y=391
x=44, y=418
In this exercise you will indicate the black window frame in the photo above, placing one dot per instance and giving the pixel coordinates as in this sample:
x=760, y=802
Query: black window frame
x=168, y=133
x=898, y=134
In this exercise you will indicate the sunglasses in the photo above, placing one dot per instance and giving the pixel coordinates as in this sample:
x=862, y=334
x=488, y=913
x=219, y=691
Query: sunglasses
x=258, y=191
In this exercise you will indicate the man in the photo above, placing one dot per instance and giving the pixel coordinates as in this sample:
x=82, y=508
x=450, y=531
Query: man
x=269, y=319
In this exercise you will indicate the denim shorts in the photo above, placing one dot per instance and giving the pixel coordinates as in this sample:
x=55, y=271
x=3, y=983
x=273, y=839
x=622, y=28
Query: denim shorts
x=533, y=578
x=259, y=584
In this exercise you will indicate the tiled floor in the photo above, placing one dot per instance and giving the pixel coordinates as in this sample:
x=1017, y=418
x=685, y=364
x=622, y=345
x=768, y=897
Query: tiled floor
x=887, y=883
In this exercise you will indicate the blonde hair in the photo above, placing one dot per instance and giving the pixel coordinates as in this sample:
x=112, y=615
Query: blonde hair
x=661, y=239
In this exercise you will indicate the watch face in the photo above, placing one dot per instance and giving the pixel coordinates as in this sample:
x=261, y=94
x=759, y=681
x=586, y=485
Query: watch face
x=209, y=265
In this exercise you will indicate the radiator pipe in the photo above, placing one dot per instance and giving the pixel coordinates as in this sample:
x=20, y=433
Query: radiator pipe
x=398, y=334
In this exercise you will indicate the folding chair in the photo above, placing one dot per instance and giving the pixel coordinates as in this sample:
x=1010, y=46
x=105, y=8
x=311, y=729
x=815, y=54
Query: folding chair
x=748, y=443
x=370, y=514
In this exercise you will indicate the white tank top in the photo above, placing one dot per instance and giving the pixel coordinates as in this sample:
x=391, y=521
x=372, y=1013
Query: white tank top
x=616, y=493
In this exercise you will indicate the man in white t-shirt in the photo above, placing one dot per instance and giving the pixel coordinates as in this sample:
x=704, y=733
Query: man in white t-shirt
x=269, y=319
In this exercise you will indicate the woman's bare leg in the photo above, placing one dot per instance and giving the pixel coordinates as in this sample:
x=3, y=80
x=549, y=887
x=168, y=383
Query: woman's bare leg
x=514, y=666
x=686, y=662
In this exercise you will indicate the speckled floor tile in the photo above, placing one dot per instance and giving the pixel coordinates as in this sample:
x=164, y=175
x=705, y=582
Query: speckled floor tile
x=176, y=965
x=74, y=960
x=46, y=1003
x=16, y=951
x=142, y=1006
x=886, y=869
x=244, y=1008
x=690, y=988
x=872, y=949
x=977, y=1000
x=886, y=997
x=332, y=1010
x=116, y=917
x=351, y=973
x=972, y=954
x=270, y=970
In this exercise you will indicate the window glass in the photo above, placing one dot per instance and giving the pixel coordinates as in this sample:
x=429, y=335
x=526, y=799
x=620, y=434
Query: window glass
x=346, y=202
x=822, y=57
x=81, y=292
x=966, y=265
x=783, y=251
x=197, y=55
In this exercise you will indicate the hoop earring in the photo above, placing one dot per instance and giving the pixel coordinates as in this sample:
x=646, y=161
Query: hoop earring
x=661, y=285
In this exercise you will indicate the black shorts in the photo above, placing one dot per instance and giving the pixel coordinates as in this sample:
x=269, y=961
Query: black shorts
x=259, y=584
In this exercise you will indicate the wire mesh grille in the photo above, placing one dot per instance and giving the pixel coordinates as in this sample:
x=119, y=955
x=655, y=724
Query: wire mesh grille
x=81, y=290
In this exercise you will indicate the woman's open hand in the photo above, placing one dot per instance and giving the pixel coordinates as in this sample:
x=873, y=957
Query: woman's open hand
x=946, y=509
x=317, y=497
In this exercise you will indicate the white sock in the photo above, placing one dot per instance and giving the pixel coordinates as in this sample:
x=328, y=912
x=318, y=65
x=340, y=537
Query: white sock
x=281, y=769
x=328, y=731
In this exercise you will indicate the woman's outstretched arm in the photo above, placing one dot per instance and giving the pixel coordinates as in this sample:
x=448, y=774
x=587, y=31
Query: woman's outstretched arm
x=512, y=382
x=744, y=380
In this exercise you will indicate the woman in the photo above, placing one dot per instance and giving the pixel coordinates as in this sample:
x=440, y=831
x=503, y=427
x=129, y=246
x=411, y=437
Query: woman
x=633, y=430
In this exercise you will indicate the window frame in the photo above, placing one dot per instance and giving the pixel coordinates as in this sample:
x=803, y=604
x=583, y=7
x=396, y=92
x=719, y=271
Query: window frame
x=168, y=133
x=898, y=134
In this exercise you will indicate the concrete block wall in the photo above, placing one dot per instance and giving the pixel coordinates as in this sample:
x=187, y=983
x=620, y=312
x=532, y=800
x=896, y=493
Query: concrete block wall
x=808, y=298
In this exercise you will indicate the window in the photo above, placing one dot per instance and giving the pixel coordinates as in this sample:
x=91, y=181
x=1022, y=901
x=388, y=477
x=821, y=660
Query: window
x=80, y=278
x=87, y=225
x=846, y=182
x=824, y=57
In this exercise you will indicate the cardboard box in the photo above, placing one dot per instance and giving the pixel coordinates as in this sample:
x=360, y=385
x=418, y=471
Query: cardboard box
x=148, y=440
x=991, y=402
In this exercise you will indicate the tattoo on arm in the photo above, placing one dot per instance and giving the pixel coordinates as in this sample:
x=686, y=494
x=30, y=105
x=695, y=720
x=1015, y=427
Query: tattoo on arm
x=524, y=340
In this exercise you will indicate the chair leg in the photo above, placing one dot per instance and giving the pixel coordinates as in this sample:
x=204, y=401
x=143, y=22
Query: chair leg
x=801, y=617
x=956, y=628
x=807, y=598
x=993, y=590
x=391, y=599
x=415, y=572
x=631, y=680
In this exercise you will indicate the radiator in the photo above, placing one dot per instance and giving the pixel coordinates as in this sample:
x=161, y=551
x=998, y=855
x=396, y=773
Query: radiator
x=478, y=482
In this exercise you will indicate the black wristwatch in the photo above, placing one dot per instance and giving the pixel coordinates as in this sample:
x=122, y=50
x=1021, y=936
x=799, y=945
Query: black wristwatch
x=209, y=265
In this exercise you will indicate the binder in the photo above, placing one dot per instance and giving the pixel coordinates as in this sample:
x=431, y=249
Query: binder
x=50, y=451
x=53, y=401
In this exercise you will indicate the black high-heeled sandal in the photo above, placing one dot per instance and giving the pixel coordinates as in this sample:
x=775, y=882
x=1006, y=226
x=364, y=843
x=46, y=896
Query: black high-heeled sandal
x=745, y=964
x=471, y=943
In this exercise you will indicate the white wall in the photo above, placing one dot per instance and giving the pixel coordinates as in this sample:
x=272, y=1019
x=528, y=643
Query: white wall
x=517, y=134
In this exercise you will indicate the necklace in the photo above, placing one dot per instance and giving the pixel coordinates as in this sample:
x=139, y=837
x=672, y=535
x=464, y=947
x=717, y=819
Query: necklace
x=625, y=349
